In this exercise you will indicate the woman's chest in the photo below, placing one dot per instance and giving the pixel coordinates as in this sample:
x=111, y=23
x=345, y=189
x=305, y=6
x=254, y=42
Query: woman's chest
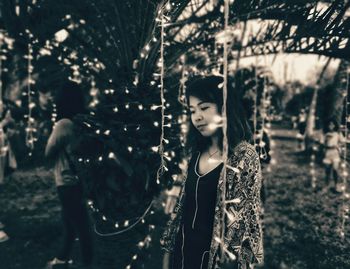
x=206, y=165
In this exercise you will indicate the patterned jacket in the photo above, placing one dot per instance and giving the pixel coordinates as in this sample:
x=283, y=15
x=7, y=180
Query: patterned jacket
x=243, y=233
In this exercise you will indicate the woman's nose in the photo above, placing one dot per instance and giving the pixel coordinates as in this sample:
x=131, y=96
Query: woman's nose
x=198, y=117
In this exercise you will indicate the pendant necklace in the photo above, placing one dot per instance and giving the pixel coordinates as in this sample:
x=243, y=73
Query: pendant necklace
x=211, y=155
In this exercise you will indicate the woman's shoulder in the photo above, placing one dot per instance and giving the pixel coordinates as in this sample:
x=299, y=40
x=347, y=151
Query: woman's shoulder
x=64, y=123
x=244, y=151
x=244, y=148
x=64, y=127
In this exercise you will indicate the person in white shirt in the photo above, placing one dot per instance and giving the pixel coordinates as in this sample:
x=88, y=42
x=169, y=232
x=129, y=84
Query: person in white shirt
x=70, y=101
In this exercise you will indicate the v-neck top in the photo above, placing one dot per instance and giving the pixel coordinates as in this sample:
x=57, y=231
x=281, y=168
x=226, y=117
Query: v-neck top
x=199, y=207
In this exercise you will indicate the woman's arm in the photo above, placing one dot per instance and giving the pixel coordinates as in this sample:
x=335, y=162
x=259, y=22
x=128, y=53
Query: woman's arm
x=167, y=240
x=58, y=138
x=243, y=226
x=7, y=119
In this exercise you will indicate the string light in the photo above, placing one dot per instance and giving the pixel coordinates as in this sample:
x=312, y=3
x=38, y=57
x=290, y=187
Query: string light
x=126, y=223
x=94, y=94
x=161, y=64
x=264, y=113
x=154, y=107
x=224, y=128
x=145, y=243
x=3, y=149
x=267, y=124
x=54, y=113
x=311, y=121
x=30, y=129
x=344, y=205
x=182, y=119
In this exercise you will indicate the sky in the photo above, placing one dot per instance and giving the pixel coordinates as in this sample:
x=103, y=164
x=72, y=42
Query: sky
x=302, y=67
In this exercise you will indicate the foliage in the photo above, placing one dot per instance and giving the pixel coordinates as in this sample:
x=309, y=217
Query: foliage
x=112, y=49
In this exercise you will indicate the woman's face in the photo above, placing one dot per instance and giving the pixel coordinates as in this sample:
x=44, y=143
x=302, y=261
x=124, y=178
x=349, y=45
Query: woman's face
x=205, y=116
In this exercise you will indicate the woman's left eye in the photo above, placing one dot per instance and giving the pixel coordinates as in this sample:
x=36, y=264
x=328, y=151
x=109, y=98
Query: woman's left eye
x=204, y=108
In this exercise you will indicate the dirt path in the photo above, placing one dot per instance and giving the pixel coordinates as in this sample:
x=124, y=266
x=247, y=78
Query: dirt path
x=301, y=223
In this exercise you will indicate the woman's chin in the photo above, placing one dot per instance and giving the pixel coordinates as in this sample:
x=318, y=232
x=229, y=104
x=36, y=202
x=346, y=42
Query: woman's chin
x=206, y=133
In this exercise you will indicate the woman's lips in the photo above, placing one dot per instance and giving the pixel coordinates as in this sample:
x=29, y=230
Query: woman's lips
x=201, y=126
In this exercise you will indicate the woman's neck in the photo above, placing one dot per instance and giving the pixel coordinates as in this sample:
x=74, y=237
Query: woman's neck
x=214, y=146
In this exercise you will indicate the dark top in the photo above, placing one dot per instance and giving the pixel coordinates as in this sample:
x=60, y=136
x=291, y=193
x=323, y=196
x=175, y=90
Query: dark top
x=200, y=202
x=199, y=208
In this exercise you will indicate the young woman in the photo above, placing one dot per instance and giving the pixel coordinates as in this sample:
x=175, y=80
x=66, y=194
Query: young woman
x=332, y=142
x=193, y=234
x=69, y=102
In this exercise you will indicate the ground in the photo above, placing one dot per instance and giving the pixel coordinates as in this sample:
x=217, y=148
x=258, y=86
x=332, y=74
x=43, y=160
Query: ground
x=300, y=223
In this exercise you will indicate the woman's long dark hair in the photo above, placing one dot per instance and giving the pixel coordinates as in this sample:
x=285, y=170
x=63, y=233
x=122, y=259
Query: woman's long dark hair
x=210, y=89
x=69, y=100
x=327, y=129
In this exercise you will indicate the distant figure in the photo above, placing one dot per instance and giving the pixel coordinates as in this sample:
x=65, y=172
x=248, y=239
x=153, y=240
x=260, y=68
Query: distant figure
x=294, y=120
x=70, y=101
x=301, y=127
x=3, y=236
x=332, y=142
x=7, y=157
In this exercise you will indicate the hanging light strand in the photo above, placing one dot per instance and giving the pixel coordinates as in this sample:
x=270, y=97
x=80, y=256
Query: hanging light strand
x=224, y=129
x=1, y=56
x=30, y=121
x=255, y=104
x=182, y=88
x=264, y=115
x=162, y=166
x=142, y=245
x=344, y=173
x=310, y=129
x=126, y=223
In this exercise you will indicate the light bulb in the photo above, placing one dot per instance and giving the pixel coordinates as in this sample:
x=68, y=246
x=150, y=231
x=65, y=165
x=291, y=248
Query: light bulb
x=154, y=107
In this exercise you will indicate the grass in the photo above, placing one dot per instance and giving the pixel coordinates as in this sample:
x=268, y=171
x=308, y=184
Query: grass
x=301, y=224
